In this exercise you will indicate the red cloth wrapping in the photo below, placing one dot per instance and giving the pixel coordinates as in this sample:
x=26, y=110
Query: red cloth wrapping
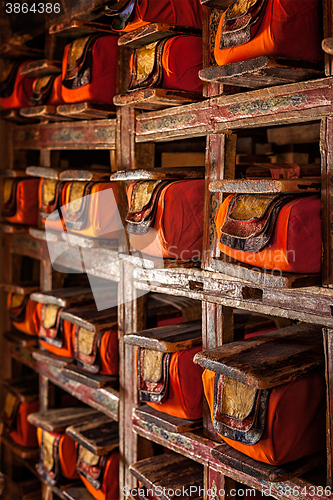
x=295, y=245
x=178, y=222
x=20, y=97
x=110, y=485
x=67, y=454
x=295, y=420
x=102, y=87
x=26, y=203
x=184, y=13
x=283, y=26
x=25, y=433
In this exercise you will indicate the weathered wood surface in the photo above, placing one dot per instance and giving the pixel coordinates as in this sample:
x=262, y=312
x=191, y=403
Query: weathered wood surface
x=158, y=173
x=170, y=473
x=84, y=175
x=24, y=388
x=21, y=339
x=165, y=421
x=172, y=338
x=13, y=115
x=326, y=138
x=94, y=380
x=23, y=354
x=199, y=448
x=40, y=234
x=69, y=135
x=57, y=420
x=303, y=133
x=328, y=347
x=152, y=32
x=77, y=27
x=293, y=103
x=13, y=173
x=23, y=452
x=262, y=72
x=262, y=471
x=270, y=359
x=42, y=113
x=105, y=400
x=43, y=67
x=77, y=493
x=266, y=186
x=17, y=51
x=92, y=319
x=65, y=297
x=43, y=172
x=86, y=111
x=95, y=243
x=45, y=356
x=262, y=277
x=99, y=435
x=22, y=289
x=155, y=98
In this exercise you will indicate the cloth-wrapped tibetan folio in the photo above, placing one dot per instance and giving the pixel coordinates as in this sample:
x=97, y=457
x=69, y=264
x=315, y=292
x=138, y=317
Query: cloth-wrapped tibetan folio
x=99, y=473
x=272, y=231
x=253, y=28
x=21, y=311
x=20, y=200
x=15, y=89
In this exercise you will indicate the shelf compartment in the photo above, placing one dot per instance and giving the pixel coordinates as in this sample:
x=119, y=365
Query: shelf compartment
x=75, y=28
x=154, y=99
x=57, y=420
x=262, y=72
x=77, y=493
x=105, y=400
x=275, y=473
x=170, y=472
x=43, y=67
x=22, y=452
x=153, y=32
x=299, y=186
x=165, y=421
x=44, y=112
x=159, y=173
x=171, y=338
x=270, y=359
x=86, y=111
x=99, y=435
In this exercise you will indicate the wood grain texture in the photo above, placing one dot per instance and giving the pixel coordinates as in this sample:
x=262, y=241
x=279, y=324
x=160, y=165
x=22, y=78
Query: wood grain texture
x=43, y=172
x=152, y=32
x=266, y=186
x=43, y=113
x=84, y=175
x=328, y=347
x=43, y=67
x=155, y=98
x=94, y=380
x=99, y=435
x=159, y=173
x=58, y=419
x=86, y=111
x=65, y=297
x=92, y=319
x=270, y=359
x=165, y=421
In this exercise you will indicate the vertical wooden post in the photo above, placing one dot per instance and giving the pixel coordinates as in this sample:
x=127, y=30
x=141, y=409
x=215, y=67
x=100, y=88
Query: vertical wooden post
x=326, y=141
x=328, y=32
x=328, y=347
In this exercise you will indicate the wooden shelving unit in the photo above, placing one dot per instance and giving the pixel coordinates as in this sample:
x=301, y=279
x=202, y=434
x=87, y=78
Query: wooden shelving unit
x=132, y=138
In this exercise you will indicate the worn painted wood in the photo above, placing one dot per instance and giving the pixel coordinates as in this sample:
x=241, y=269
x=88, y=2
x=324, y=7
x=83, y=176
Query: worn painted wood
x=75, y=28
x=43, y=67
x=45, y=356
x=328, y=347
x=94, y=380
x=86, y=111
x=152, y=32
x=57, y=420
x=165, y=421
x=260, y=470
x=270, y=359
x=266, y=186
x=76, y=135
x=326, y=138
x=155, y=98
x=99, y=434
x=172, y=338
x=91, y=318
x=171, y=476
x=159, y=173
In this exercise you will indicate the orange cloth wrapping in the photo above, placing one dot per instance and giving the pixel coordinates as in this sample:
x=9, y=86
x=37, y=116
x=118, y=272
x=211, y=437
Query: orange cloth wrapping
x=178, y=222
x=110, y=484
x=295, y=244
x=109, y=353
x=55, y=98
x=27, y=325
x=22, y=91
x=283, y=25
x=25, y=433
x=185, y=391
x=67, y=453
x=102, y=87
x=26, y=204
x=184, y=13
x=295, y=420
x=100, y=212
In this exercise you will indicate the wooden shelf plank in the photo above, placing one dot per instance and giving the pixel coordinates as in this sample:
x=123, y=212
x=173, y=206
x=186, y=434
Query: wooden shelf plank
x=165, y=421
x=270, y=359
x=94, y=380
x=40, y=234
x=172, y=338
x=262, y=72
x=24, y=354
x=266, y=186
x=155, y=98
x=65, y=297
x=77, y=493
x=152, y=32
x=21, y=339
x=84, y=175
x=45, y=112
x=22, y=289
x=99, y=435
x=75, y=28
x=25, y=388
x=43, y=67
x=263, y=277
x=44, y=356
x=87, y=111
x=159, y=173
x=18, y=51
x=168, y=473
x=43, y=172
x=91, y=319
x=13, y=174
x=23, y=452
x=237, y=460
x=13, y=115
x=58, y=419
